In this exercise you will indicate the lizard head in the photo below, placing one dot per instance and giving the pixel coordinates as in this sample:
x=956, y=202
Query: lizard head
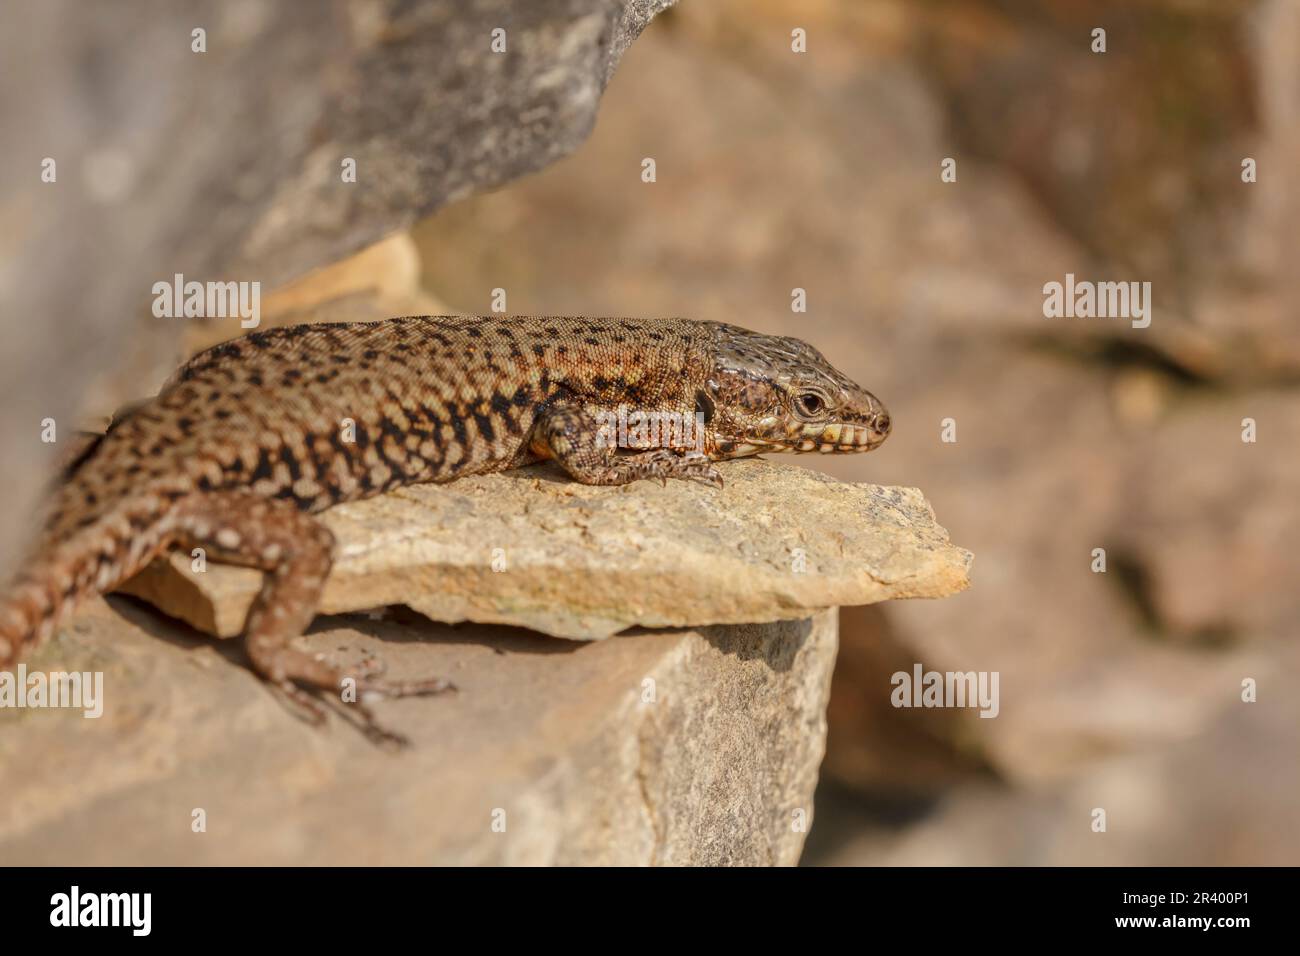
x=769, y=393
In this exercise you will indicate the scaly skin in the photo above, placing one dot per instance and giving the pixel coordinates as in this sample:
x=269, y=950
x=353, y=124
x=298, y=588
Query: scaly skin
x=250, y=438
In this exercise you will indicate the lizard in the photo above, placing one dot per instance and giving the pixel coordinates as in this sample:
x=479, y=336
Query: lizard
x=251, y=438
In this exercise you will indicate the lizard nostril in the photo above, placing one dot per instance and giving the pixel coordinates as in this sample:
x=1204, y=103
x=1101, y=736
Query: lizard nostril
x=883, y=423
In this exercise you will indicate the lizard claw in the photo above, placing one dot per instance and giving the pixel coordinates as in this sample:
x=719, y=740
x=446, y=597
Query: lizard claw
x=405, y=688
x=309, y=708
x=697, y=468
x=378, y=734
x=371, y=667
x=380, y=689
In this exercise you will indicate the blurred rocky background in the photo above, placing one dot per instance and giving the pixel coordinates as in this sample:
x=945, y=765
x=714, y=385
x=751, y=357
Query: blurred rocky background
x=777, y=170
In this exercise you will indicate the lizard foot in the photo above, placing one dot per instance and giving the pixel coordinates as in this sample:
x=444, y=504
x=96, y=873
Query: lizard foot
x=575, y=438
x=664, y=463
x=295, y=553
x=696, y=468
x=307, y=679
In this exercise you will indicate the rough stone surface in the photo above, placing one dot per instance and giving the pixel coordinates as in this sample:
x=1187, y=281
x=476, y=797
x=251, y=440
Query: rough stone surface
x=227, y=164
x=664, y=747
x=776, y=543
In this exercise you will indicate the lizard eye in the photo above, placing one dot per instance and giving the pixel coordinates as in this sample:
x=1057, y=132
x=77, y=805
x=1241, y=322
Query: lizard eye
x=811, y=404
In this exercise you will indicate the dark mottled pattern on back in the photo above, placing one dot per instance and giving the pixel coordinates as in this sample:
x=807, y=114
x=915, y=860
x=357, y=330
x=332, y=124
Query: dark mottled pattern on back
x=305, y=417
x=424, y=399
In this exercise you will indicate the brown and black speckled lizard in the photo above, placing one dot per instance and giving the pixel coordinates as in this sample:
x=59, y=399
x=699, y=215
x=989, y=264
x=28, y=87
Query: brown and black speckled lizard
x=250, y=438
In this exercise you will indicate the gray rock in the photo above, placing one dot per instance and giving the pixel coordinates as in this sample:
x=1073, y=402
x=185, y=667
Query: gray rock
x=226, y=164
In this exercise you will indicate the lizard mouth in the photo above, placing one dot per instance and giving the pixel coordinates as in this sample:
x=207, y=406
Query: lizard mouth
x=803, y=438
x=842, y=437
x=838, y=438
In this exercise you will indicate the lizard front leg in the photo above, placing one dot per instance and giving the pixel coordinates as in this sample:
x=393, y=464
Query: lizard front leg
x=295, y=552
x=585, y=448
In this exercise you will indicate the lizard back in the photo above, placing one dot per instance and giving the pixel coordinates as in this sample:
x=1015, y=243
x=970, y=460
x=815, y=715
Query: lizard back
x=250, y=438
x=327, y=413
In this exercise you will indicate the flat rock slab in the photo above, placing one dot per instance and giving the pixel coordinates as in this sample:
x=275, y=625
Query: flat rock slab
x=534, y=549
x=663, y=747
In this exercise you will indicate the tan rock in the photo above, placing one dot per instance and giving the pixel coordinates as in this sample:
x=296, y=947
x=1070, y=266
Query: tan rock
x=379, y=282
x=668, y=747
x=534, y=549
x=695, y=744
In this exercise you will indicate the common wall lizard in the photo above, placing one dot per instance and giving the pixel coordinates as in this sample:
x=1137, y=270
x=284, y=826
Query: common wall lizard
x=249, y=439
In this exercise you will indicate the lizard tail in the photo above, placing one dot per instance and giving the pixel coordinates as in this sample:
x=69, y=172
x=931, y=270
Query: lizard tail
x=65, y=571
x=29, y=612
